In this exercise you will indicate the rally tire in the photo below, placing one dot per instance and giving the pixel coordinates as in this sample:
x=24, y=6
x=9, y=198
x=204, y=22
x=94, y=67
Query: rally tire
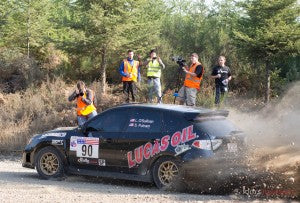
x=167, y=174
x=49, y=163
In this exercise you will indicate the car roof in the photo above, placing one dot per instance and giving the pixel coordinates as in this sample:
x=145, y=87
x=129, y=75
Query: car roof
x=187, y=110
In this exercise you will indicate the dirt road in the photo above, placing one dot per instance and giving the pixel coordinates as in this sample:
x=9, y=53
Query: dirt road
x=18, y=184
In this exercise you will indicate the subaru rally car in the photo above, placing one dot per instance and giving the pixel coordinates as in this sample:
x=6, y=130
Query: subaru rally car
x=142, y=142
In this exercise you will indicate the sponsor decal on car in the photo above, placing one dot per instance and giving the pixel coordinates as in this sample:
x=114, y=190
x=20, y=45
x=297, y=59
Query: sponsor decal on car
x=101, y=162
x=73, y=144
x=149, y=150
x=57, y=142
x=181, y=148
x=85, y=146
x=53, y=135
x=83, y=160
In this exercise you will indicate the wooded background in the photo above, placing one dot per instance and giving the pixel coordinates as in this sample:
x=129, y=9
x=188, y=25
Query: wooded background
x=87, y=39
x=46, y=46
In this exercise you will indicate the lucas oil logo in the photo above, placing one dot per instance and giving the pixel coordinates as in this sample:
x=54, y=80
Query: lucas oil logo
x=149, y=150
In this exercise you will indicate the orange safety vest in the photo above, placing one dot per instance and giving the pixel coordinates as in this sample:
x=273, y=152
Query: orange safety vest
x=84, y=109
x=193, y=81
x=133, y=70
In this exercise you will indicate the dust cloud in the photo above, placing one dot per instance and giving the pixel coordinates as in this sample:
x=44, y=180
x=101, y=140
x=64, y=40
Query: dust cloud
x=270, y=167
x=273, y=137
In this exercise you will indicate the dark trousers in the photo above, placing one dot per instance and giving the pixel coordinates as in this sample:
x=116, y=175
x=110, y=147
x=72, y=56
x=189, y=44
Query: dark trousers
x=220, y=93
x=129, y=87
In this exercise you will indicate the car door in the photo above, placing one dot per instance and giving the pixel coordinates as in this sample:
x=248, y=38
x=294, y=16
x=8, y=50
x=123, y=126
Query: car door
x=142, y=126
x=106, y=129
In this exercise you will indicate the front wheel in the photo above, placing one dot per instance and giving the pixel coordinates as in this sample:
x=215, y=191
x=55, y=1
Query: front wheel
x=167, y=173
x=49, y=163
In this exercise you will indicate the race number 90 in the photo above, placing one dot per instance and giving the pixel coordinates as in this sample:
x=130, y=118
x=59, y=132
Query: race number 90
x=87, y=150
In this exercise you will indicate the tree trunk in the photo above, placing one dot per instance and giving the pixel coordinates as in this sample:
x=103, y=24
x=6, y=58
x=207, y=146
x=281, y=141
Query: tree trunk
x=28, y=30
x=103, y=71
x=268, y=82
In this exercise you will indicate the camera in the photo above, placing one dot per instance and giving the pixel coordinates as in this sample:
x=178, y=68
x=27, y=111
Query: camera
x=179, y=60
x=81, y=93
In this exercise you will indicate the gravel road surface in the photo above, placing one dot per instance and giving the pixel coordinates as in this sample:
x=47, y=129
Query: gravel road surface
x=18, y=184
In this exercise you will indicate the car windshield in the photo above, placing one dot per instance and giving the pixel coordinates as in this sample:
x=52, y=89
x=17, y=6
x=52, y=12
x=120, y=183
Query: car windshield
x=215, y=127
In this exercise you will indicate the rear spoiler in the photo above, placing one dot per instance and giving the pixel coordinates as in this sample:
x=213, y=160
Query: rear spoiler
x=206, y=115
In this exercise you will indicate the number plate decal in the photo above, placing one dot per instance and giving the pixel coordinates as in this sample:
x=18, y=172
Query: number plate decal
x=85, y=146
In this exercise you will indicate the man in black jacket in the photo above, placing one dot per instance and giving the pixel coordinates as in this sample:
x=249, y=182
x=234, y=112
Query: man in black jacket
x=222, y=75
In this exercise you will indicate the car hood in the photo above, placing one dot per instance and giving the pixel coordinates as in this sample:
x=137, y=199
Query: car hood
x=58, y=132
x=64, y=128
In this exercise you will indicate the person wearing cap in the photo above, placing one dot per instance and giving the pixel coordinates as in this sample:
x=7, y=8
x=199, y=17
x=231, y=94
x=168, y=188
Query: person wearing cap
x=154, y=66
x=193, y=77
x=222, y=75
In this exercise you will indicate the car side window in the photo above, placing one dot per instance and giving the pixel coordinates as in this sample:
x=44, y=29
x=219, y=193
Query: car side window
x=111, y=121
x=95, y=124
x=144, y=121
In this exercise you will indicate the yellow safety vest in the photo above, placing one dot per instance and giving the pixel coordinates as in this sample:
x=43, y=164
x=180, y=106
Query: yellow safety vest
x=82, y=108
x=154, y=69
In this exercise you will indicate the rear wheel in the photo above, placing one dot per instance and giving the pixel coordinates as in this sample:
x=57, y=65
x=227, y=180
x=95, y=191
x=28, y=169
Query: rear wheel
x=167, y=173
x=49, y=163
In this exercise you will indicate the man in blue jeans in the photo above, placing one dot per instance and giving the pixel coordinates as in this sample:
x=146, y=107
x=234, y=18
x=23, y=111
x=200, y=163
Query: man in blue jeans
x=222, y=75
x=154, y=66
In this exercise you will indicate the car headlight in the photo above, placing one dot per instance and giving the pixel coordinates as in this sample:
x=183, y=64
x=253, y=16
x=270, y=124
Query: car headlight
x=30, y=140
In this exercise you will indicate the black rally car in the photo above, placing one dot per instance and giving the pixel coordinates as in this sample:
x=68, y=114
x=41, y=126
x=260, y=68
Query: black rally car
x=140, y=142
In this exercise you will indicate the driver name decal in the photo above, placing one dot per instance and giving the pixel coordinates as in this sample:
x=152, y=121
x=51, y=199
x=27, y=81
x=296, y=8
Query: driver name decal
x=149, y=149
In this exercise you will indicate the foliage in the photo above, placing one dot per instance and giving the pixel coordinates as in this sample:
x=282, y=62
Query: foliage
x=268, y=30
x=87, y=39
x=17, y=71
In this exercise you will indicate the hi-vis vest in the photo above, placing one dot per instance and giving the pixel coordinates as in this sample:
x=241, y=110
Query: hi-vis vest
x=133, y=70
x=154, y=69
x=193, y=81
x=82, y=108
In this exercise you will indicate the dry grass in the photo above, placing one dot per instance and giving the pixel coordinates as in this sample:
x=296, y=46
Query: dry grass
x=39, y=109
x=42, y=108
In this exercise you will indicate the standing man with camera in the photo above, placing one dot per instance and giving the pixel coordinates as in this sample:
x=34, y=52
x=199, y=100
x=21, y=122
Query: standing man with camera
x=222, y=75
x=154, y=66
x=85, y=103
x=129, y=72
x=194, y=74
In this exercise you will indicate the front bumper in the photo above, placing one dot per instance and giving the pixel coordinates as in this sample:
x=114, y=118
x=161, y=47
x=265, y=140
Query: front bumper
x=27, y=160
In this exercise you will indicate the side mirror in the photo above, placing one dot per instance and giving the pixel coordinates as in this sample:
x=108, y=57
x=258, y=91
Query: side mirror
x=82, y=129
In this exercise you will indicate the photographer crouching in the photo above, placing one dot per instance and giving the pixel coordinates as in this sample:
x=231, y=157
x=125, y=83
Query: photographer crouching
x=193, y=77
x=85, y=103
